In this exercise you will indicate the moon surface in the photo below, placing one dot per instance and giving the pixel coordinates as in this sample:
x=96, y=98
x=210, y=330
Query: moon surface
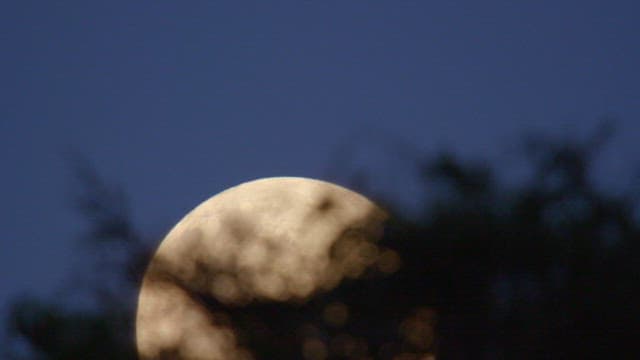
x=275, y=239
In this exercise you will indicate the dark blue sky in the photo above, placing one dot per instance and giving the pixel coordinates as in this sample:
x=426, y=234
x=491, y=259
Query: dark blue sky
x=177, y=100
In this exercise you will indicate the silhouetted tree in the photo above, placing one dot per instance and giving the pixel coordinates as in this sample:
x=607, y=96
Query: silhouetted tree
x=547, y=269
x=102, y=327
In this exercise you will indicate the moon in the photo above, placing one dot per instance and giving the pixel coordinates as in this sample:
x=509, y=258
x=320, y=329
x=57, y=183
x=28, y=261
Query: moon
x=276, y=239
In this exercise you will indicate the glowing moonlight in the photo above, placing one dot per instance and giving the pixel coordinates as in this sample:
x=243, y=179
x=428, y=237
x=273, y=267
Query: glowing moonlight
x=276, y=239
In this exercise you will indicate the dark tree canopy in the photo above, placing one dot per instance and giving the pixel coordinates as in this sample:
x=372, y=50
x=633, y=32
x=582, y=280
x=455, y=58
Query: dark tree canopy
x=547, y=269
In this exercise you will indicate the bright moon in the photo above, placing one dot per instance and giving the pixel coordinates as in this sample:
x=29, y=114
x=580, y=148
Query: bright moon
x=275, y=239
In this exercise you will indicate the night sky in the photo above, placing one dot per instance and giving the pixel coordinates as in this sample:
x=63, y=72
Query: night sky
x=178, y=100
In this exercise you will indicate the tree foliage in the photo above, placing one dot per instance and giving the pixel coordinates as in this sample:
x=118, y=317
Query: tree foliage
x=547, y=269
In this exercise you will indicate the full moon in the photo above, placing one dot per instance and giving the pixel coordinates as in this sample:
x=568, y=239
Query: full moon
x=275, y=239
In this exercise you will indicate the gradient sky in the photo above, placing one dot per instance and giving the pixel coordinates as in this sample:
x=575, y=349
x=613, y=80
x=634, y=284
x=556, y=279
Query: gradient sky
x=177, y=100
